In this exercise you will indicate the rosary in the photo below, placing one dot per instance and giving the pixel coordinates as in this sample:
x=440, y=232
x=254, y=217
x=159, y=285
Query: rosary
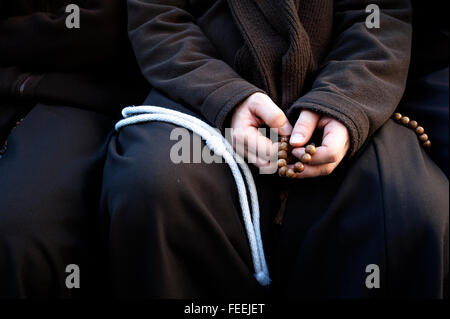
x=285, y=158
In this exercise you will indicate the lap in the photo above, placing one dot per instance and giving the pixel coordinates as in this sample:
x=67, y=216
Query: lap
x=388, y=206
x=50, y=181
x=188, y=212
x=55, y=150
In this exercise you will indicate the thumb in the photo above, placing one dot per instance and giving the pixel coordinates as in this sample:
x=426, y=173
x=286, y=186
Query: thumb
x=304, y=128
x=273, y=116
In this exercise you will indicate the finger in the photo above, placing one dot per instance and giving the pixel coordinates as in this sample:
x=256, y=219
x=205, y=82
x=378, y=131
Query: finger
x=319, y=158
x=260, y=145
x=273, y=116
x=335, y=141
x=334, y=145
x=322, y=156
x=255, y=160
x=316, y=171
x=304, y=128
x=253, y=141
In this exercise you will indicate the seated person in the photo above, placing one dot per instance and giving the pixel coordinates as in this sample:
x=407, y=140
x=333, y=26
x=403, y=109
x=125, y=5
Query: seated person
x=68, y=85
x=370, y=196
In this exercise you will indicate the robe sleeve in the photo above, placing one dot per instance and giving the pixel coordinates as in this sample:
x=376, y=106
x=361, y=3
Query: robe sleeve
x=362, y=79
x=177, y=58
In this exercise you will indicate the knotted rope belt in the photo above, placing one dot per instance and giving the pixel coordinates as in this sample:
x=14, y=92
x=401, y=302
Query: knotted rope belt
x=221, y=147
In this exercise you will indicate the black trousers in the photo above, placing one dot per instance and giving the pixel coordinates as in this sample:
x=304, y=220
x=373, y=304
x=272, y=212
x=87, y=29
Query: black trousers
x=175, y=230
x=50, y=179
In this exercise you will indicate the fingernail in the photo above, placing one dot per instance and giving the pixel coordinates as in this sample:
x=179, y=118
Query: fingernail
x=297, y=138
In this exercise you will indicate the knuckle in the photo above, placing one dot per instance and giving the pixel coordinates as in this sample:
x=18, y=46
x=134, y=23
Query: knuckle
x=254, y=98
x=302, y=128
x=308, y=122
x=278, y=117
x=254, y=103
x=326, y=170
x=252, y=140
x=333, y=157
x=258, y=99
x=255, y=106
x=238, y=135
x=324, y=121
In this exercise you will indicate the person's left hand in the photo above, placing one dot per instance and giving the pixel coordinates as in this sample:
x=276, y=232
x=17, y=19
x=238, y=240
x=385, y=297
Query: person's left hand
x=335, y=143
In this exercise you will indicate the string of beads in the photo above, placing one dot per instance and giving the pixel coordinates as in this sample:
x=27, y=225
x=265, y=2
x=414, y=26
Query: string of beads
x=285, y=158
x=419, y=130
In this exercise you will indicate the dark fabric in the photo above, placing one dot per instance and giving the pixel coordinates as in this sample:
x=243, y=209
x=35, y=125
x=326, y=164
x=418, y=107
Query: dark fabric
x=427, y=99
x=49, y=192
x=10, y=113
x=430, y=46
x=388, y=206
x=93, y=67
x=165, y=238
x=362, y=79
x=279, y=39
x=174, y=230
x=189, y=50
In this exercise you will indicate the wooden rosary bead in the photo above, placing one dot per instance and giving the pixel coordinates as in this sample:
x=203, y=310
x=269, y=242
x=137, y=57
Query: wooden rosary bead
x=420, y=130
x=290, y=173
x=285, y=157
x=310, y=149
x=423, y=137
x=405, y=120
x=282, y=155
x=282, y=162
x=284, y=146
x=299, y=167
x=306, y=158
x=413, y=125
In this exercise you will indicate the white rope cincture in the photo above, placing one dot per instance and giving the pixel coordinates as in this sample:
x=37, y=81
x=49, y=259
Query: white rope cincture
x=221, y=147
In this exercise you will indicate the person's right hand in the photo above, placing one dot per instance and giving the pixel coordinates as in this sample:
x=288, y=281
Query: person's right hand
x=257, y=110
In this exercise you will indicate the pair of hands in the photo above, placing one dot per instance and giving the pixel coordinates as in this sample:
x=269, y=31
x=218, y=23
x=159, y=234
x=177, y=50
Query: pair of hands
x=259, y=109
